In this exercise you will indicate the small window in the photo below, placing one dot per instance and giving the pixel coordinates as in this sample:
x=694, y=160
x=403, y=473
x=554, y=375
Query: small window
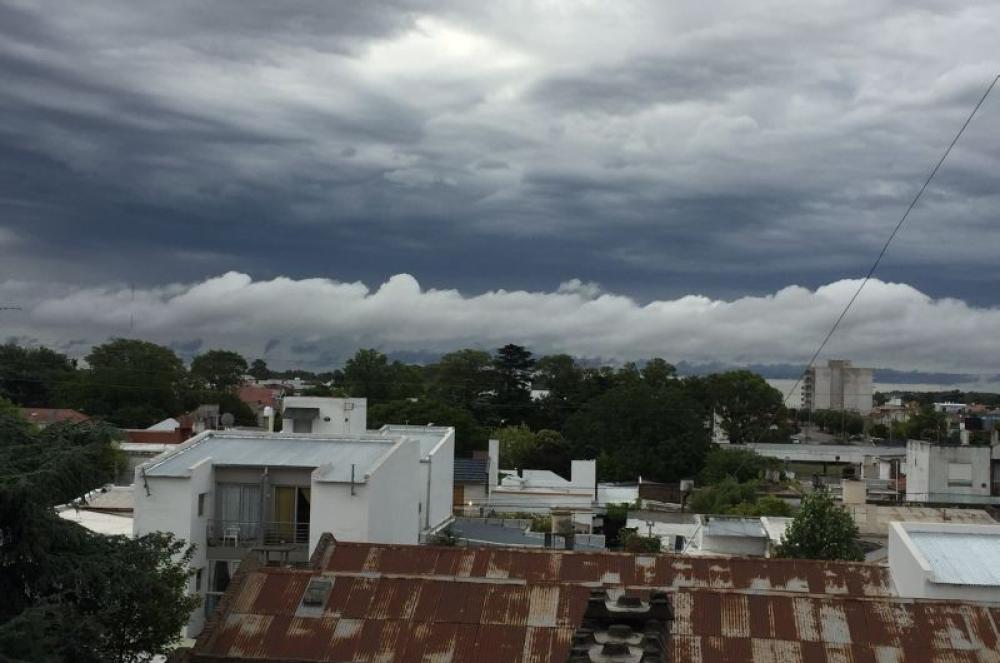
x=197, y=580
x=201, y=503
x=959, y=474
x=316, y=593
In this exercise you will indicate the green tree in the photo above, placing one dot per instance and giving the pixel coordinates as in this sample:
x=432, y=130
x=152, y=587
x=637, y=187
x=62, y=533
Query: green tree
x=927, y=425
x=131, y=383
x=72, y=596
x=469, y=435
x=880, y=430
x=633, y=542
x=637, y=430
x=739, y=463
x=657, y=372
x=563, y=379
x=227, y=402
x=512, y=366
x=821, y=530
x=367, y=375
x=259, y=369
x=722, y=497
x=33, y=377
x=219, y=370
x=748, y=406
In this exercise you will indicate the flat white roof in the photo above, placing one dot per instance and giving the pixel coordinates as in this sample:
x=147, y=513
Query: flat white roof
x=428, y=436
x=336, y=454
x=960, y=557
x=102, y=523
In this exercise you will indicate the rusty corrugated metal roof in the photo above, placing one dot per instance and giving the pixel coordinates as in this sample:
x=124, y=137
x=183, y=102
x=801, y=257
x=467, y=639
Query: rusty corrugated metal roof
x=398, y=619
x=738, y=627
x=613, y=569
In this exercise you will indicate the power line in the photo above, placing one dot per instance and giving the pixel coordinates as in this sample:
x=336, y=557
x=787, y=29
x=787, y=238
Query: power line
x=892, y=235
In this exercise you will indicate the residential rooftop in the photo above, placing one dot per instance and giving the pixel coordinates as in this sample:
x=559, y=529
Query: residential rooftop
x=611, y=568
x=367, y=602
x=957, y=554
x=336, y=455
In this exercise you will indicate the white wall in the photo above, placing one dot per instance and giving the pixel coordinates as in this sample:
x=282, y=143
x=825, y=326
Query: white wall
x=583, y=474
x=733, y=545
x=394, y=497
x=335, y=510
x=442, y=479
x=346, y=415
x=927, y=473
x=172, y=506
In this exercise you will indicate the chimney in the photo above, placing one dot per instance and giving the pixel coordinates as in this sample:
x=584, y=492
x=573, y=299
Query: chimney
x=494, y=464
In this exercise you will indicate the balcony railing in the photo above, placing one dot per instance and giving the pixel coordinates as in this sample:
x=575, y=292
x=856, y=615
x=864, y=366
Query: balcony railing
x=239, y=534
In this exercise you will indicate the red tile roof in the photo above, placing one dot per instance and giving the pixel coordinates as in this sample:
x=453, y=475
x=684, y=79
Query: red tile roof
x=257, y=396
x=157, y=436
x=46, y=415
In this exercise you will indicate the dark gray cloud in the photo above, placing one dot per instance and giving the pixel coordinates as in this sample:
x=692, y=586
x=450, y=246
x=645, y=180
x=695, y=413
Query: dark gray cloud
x=659, y=149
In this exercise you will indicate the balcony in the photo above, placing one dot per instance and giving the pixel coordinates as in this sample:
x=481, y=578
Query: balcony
x=232, y=539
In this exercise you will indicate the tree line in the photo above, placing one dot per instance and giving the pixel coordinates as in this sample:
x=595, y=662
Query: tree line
x=634, y=419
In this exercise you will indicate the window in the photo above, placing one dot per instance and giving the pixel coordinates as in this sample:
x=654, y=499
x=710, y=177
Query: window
x=959, y=474
x=239, y=509
x=316, y=593
x=201, y=503
x=197, y=580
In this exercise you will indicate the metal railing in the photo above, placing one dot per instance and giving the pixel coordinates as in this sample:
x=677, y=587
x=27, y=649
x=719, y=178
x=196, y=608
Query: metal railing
x=238, y=534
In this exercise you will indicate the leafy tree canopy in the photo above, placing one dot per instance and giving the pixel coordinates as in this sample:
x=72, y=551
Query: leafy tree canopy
x=637, y=429
x=748, y=406
x=739, y=463
x=469, y=435
x=821, y=530
x=32, y=377
x=259, y=369
x=72, y=596
x=219, y=370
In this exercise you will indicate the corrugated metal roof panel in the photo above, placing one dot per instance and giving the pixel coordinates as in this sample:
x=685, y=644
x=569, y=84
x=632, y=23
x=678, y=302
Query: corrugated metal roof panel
x=613, y=569
x=960, y=558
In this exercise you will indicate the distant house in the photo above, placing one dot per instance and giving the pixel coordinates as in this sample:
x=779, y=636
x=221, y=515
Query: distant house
x=45, y=416
x=259, y=397
x=950, y=474
x=472, y=481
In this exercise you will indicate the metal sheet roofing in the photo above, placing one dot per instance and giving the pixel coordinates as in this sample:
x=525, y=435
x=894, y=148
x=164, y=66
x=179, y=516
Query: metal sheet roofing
x=612, y=569
x=396, y=619
x=338, y=454
x=711, y=626
x=960, y=558
x=471, y=470
x=490, y=617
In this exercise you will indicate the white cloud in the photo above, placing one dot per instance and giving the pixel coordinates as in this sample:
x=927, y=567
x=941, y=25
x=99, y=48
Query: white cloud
x=892, y=325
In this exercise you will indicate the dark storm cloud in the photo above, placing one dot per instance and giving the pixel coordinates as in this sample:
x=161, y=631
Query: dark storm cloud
x=657, y=149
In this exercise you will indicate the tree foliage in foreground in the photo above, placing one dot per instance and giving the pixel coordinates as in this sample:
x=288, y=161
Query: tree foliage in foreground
x=70, y=595
x=821, y=530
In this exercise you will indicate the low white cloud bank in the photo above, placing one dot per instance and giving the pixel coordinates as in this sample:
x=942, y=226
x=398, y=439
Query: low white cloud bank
x=315, y=320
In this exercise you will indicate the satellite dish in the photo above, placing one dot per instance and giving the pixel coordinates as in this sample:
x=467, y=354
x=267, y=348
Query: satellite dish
x=227, y=420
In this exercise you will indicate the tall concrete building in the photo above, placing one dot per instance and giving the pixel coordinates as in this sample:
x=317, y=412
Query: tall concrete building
x=838, y=386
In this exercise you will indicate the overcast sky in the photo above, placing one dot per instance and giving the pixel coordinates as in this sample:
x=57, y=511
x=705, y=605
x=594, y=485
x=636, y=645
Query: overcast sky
x=424, y=175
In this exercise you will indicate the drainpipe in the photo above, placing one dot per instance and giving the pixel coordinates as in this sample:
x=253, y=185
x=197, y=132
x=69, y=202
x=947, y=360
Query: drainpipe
x=427, y=509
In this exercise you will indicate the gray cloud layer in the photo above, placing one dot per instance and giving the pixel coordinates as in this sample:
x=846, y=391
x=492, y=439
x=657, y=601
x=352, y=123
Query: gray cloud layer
x=319, y=322
x=658, y=148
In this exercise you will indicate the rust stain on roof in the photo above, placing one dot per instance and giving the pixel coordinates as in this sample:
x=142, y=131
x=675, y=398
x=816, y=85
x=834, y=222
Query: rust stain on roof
x=445, y=605
x=614, y=569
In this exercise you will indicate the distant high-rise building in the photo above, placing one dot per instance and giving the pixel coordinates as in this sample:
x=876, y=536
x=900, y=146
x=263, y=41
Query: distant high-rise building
x=838, y=386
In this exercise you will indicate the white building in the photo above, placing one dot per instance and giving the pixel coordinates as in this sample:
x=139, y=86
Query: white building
x=945, y=561
x=952, y=474
x=326, y=416
x=729, y=535
x=838, y=386
x=230, y=491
